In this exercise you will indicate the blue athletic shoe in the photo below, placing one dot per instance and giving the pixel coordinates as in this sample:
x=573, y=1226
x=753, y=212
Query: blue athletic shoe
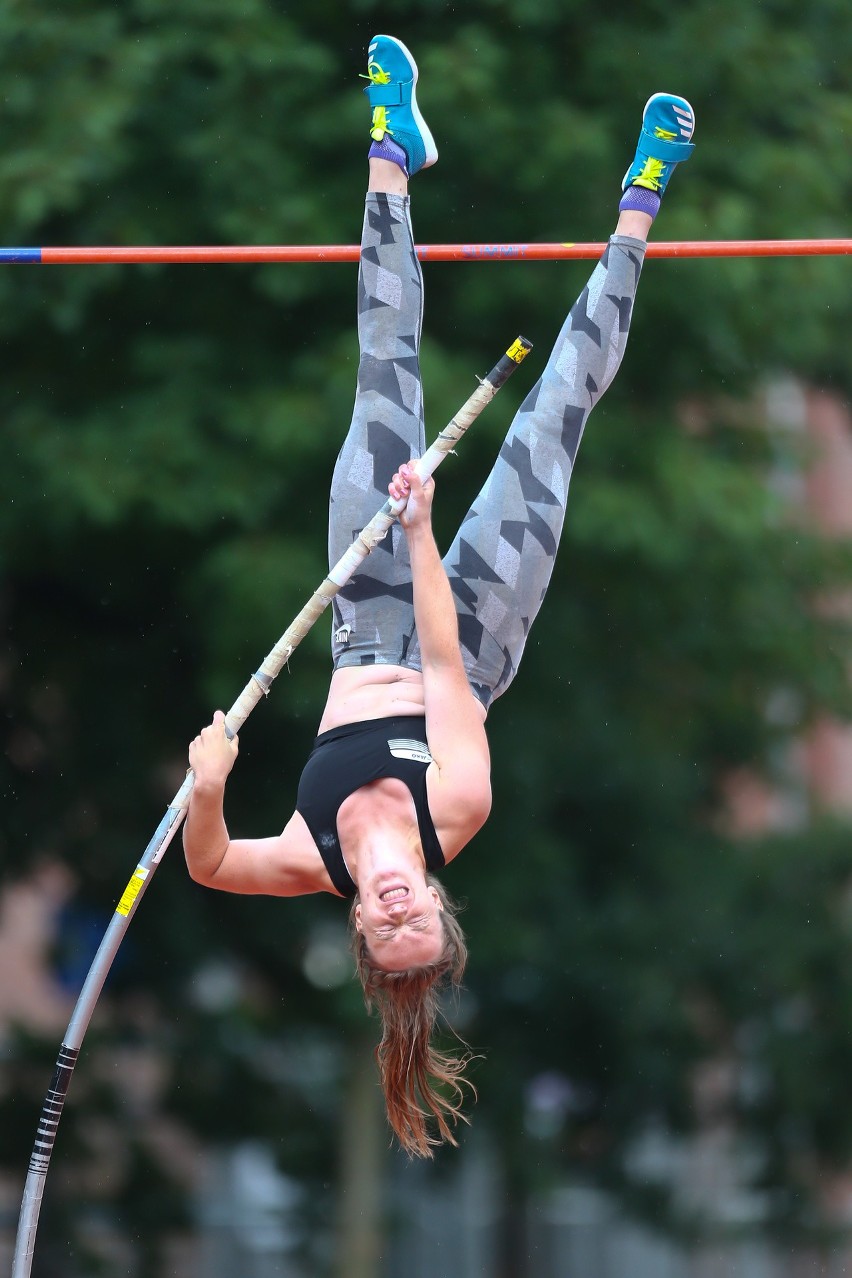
x=392, y=73
x=668, y=123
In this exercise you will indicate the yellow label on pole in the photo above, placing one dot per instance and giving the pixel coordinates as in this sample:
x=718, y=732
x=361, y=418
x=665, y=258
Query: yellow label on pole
x=518, y=350
x=131, y=892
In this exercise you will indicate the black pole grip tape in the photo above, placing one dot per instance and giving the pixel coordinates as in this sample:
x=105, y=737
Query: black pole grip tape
x=506, y=364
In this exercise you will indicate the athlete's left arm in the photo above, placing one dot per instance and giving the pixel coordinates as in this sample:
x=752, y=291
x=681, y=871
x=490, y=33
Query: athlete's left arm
x=460, y=793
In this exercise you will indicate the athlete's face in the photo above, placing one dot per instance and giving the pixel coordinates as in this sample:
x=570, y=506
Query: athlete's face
x=399, y=915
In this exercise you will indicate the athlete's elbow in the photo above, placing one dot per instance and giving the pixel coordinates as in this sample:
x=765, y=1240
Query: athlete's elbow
x=479, y=804
x=439, y=663
x=197, y=872
x=202, y=867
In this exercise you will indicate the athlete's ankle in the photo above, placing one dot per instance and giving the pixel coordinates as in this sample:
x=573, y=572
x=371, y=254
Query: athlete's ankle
x=387, y=177
x=389, y=150
x=633, y=226
x=638, y=199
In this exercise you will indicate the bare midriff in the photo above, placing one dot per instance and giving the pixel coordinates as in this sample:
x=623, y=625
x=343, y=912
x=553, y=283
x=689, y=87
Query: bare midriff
x=372, y=692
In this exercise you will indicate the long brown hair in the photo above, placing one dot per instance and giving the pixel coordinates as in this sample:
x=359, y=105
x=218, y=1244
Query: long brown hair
x=419, y=1081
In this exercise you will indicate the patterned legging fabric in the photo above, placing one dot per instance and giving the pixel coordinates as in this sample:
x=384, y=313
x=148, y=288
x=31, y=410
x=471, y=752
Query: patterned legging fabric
x=501, y=560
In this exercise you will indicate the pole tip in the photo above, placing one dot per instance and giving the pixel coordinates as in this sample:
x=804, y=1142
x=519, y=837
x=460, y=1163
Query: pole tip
x=519, y=349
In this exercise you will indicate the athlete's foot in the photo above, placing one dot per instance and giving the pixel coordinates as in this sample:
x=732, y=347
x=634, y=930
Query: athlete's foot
x=400, y=135
x=668, y=123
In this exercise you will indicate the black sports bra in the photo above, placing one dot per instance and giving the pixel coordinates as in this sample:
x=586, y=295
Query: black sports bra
x=345, y=759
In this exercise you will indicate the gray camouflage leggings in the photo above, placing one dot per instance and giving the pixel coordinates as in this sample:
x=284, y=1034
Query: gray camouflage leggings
x=500, y=563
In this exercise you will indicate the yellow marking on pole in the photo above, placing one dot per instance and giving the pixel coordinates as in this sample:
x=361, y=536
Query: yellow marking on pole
x=518, y=351
x=132, y=890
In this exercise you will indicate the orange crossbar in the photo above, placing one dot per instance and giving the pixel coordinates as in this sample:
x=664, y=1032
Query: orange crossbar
x=426, y=252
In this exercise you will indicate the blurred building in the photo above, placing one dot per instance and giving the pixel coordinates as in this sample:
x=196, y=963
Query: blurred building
x=818, y=770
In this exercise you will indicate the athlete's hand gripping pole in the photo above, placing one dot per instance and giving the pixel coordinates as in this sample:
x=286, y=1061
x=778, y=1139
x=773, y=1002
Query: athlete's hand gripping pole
x=257, y=687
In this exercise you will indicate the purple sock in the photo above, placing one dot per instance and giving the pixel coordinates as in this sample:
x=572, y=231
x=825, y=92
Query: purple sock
x=640, y=200
x=387, y=149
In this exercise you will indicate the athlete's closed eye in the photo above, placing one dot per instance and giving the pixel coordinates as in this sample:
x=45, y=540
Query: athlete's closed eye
x=414, y=925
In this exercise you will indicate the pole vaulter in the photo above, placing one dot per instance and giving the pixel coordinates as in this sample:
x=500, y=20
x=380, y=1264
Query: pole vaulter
x=257, y=687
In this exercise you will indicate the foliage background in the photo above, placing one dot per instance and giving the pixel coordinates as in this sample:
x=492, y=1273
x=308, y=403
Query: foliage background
x=168, y=433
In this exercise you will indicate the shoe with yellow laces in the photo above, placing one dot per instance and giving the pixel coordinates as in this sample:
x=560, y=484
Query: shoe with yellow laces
x=668, y=123
x=396, y=123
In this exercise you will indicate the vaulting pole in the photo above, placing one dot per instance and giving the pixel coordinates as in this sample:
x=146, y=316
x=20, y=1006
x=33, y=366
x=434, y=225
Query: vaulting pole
x=257, y=687
x=426, y=252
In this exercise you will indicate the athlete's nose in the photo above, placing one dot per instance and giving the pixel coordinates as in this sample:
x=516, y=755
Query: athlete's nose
x=397, y=910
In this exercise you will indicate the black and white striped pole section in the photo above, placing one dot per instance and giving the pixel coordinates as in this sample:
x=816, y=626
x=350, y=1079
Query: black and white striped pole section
x=257, y=687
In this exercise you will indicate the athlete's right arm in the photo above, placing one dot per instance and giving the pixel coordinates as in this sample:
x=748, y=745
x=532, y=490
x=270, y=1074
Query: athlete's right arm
x=284, y=865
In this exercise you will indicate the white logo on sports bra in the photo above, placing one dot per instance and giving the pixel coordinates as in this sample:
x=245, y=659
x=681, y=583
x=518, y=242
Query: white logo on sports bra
x=408, y=748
